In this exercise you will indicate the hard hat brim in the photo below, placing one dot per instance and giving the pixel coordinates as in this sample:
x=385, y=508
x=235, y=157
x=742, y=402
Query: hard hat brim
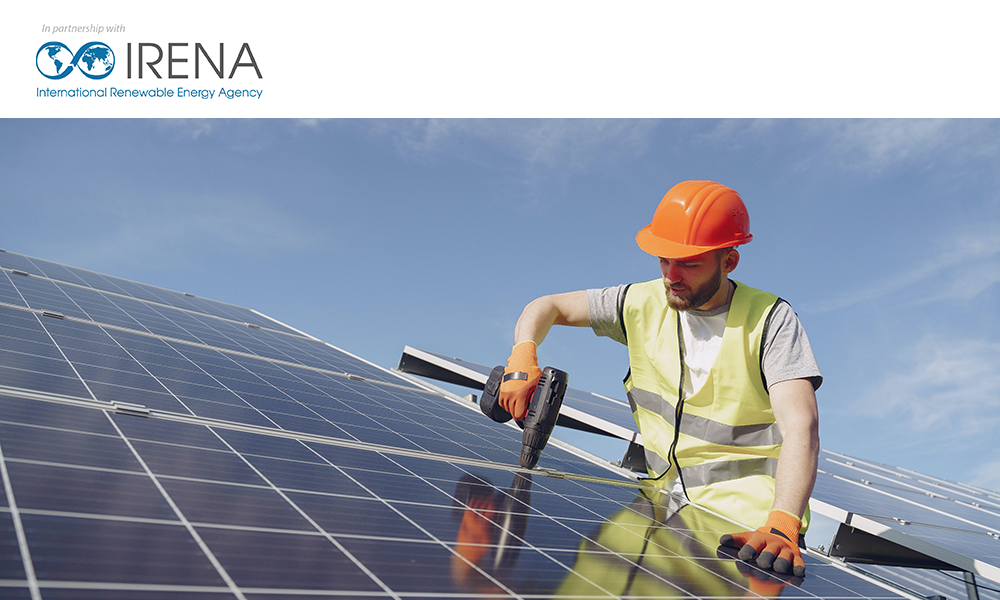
x=664, y=248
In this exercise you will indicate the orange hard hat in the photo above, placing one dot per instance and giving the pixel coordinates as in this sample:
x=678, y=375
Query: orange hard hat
x=695, y=217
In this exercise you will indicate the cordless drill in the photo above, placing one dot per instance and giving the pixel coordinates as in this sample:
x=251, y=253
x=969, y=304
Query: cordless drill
x=543, y=410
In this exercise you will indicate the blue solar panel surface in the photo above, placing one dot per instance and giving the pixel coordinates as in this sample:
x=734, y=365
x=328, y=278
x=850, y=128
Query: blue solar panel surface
x=954, y=517
x=929, y=582
x=154, y=446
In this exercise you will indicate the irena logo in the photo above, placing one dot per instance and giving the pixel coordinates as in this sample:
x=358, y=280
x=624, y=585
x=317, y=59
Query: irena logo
x=55, y=60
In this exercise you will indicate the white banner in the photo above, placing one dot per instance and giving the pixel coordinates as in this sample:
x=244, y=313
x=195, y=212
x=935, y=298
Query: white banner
x=391, y=58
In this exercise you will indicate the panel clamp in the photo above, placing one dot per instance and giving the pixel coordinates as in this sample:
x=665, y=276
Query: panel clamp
x=127, y=408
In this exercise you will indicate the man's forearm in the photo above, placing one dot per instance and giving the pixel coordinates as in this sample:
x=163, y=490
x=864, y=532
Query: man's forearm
x=794, y=405
x=542, y=313
x=796, y=473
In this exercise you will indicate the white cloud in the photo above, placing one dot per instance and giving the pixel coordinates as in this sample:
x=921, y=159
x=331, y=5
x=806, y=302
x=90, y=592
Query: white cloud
x=544, y=143
x=568, y=144
x=309, y=123
x=870, y=146
x=248, y=136
x=960, y=267
x=987, y=475
x=188, y=128
x=874, y=145
x=730, y=131
x=158, y=230
x=865, y=145
x=950, y=387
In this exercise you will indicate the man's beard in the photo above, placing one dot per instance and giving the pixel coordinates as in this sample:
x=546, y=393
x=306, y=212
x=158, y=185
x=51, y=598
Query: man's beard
x=698, y=297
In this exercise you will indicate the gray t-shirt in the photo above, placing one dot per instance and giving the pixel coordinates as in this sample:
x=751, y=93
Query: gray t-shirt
x=787, y=353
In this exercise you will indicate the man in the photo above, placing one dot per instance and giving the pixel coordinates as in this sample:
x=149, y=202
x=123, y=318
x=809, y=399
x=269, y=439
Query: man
x=721, y=378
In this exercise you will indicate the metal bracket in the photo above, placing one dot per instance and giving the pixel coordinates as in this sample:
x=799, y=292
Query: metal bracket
x=127, y=408
x=635, y=457
x=857, y=546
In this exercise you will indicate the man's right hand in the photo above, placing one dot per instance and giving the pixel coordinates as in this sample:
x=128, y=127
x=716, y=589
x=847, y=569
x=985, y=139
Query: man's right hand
x=520, y=379
x=773, y=545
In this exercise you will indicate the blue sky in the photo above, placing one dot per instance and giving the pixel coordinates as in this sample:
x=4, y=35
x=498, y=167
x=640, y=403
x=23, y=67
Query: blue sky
x=373, y=234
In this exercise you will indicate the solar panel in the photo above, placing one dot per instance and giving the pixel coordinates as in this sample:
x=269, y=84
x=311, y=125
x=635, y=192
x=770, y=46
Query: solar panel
x=956, y=524
x=153, y=446
x=932, y=583
x=118, y=290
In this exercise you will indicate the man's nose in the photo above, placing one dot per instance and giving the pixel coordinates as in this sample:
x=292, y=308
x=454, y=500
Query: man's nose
x=670, y=272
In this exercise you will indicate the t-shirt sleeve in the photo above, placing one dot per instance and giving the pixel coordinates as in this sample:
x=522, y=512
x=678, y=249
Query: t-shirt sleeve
x=787, y=353
x=605, y=311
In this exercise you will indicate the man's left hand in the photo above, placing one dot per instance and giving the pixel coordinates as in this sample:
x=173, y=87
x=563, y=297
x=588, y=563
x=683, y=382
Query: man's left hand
x=775, y=545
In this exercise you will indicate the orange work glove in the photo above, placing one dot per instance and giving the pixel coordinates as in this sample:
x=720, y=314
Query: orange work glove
x=520, y=379
x=475, y=535
x=775, y=545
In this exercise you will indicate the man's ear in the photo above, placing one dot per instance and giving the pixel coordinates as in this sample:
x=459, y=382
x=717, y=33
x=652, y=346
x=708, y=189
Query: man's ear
x=731, y=260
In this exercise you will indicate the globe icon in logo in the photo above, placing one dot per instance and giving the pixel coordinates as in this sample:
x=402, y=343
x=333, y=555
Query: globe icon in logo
x=97, y=60
x=55, y=60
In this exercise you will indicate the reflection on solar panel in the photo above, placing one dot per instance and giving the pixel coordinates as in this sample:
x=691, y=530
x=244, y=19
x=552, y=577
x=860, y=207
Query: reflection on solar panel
x=157, y=445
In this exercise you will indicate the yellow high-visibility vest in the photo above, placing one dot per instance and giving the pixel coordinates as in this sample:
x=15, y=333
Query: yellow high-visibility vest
x=722, y=443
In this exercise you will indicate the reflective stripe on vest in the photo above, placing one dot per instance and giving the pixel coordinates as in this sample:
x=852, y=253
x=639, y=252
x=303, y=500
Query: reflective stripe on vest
x=717, y=472
x=713, y=432
x=655, y=462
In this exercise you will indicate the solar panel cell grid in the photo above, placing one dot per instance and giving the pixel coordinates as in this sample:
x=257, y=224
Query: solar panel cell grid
x=919, y=509
x=914, y=482
x=103, y=310
x=335, y=494
x=402, y=520
x=935, y=583
x=65, y=286
x=10, y=260
x=927, y=512
x=87, y=278
x=10, y=554
x=8, y=292
x=58, y=272
x=75, y=448
x=42, y=487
